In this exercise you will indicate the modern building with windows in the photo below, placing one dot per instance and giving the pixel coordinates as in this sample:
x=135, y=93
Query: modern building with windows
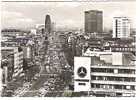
x=121, y=27
x=15, y=56
x=106, y=74
x=116, y=79
x=93, y=21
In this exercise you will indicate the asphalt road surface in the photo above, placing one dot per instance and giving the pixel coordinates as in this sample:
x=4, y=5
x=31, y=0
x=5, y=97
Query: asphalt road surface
x=56, y=61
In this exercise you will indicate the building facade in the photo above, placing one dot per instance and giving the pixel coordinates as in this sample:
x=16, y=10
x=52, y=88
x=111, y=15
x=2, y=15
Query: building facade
x=16, y=57
x=121, y=27
x=111, y=74
x=48, y=24
x=93, y=21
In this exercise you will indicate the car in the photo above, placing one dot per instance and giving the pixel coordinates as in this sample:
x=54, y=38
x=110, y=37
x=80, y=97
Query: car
x=37, y=75
x=46, y=88
x=35, y=78
x=46, y=83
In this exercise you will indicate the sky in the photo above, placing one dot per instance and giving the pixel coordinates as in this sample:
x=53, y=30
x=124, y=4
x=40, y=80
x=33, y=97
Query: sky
x=65, y=14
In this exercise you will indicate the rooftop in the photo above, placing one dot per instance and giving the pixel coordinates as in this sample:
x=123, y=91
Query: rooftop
x=92, y=11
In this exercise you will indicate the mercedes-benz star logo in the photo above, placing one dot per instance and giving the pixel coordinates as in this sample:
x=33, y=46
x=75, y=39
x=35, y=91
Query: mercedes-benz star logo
x=82, y=72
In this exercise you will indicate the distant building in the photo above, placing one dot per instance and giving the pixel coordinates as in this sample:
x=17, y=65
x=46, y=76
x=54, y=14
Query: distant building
x=95, y=43
x=100, y=36
x=39, y=26
x=120, y=45
x=30, y=49
x=106, y=43
x=15, y=57
x=33, y=31
x=7, y=70
x=121, y=27
x=53, y=26
x=12, y=32
x=14, y=38
x=40, y=29
x=93, y=21
x=63, y=39
x=27, y=52
x=48, y=24
x=133, y=32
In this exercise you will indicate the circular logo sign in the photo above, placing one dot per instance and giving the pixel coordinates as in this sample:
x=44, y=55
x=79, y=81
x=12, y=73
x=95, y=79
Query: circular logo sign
x=82, y=72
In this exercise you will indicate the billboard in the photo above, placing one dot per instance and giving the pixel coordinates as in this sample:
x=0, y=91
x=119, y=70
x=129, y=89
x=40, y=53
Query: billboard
x=82, y=73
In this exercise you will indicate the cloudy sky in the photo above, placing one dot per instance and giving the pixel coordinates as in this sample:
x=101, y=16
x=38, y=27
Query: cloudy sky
x=64, y=14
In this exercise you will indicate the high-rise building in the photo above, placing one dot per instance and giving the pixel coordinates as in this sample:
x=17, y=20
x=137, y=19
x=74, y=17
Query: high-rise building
x=47, y=24
x=93, y=21
x=121, y=27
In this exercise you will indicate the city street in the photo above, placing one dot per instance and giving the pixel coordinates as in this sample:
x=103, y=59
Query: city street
x=52, y=81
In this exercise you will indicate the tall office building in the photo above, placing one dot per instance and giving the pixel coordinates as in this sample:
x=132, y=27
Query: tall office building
x=121, y=27
x=47, y=24
x=93, y=21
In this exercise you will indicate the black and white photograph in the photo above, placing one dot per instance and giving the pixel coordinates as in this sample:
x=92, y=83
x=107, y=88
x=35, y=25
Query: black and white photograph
x=67, y=48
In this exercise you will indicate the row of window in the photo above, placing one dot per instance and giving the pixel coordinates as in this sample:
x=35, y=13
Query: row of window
x=106, y=86
x=111, y=78
x=110, y=70
x=102, y=70
x=129, y=71
x=124, y=49
x=120, y=48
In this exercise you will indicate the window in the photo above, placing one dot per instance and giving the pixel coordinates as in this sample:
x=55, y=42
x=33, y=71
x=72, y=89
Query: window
x=93, y=85
x=132, y=87
x=115, y=71
x=98, y=86
x=93, y=77
x=82, y=84
x=118, y=86
x=128, y=87
x=110, y=70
